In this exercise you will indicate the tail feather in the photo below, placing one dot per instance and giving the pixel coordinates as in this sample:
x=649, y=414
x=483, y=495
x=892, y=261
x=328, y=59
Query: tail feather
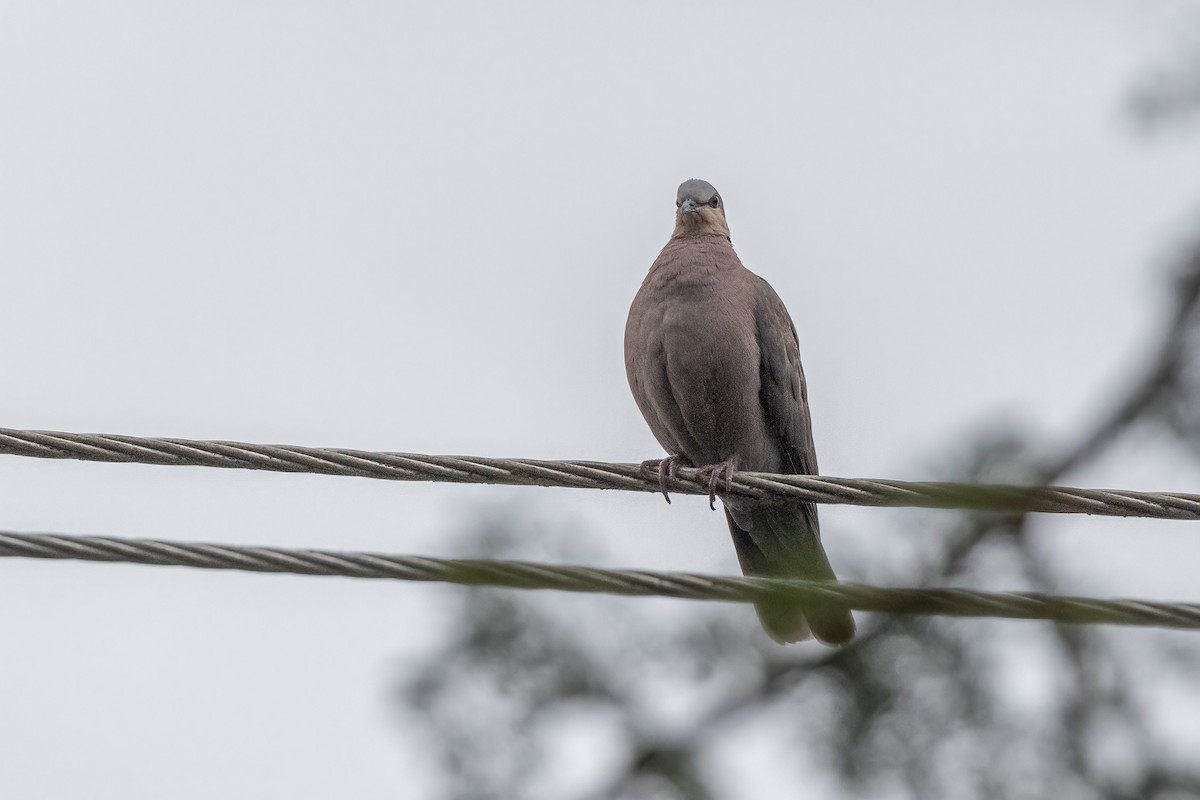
x=783, y=540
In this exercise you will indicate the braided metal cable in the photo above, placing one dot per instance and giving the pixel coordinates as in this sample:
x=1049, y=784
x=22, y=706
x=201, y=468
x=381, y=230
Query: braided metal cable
x=591, y=475
x=527, y=575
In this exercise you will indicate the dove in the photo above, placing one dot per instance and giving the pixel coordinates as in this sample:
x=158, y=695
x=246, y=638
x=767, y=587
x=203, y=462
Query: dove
x=713, y=362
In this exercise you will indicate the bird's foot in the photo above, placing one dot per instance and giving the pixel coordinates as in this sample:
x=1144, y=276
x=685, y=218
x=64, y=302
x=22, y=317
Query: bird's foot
x=715, y=473
x=666, y=468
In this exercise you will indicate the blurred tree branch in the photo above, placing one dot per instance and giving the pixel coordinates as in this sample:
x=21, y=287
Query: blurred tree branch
x=1169, y=94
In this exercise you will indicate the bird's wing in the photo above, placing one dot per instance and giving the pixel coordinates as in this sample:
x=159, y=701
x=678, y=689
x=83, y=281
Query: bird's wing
x=782, y=392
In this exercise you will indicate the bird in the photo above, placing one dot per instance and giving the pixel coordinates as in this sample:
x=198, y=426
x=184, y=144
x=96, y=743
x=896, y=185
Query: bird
x=713, y=362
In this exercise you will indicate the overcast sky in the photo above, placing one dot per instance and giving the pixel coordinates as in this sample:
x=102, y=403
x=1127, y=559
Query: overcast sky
x=418, y=227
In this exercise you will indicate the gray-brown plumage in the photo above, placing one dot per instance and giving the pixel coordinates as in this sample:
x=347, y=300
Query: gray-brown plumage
x=714, y=364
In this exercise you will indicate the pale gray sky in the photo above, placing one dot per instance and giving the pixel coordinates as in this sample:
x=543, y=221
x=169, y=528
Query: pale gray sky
x=418, y=226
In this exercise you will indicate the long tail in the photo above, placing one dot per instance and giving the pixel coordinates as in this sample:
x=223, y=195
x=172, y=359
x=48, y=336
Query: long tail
x=783, y=540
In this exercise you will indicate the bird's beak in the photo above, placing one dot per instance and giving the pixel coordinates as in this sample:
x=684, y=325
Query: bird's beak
x=688, y=206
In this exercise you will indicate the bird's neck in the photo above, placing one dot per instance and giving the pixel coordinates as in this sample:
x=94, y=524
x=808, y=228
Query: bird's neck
x=683, y=231
x=693, y=262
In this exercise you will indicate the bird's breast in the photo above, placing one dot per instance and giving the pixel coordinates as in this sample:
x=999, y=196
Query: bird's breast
x=699, y=362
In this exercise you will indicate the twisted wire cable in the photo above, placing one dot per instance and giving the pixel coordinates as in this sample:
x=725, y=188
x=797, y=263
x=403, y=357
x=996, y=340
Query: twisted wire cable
x=592, y=475
x=528, y=575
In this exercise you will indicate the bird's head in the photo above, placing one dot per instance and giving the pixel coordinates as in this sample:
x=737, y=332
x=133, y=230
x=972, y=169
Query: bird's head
x=699, y=209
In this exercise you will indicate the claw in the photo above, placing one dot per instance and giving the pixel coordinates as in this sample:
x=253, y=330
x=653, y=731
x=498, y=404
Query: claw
x=715, y=473
x=666, y=469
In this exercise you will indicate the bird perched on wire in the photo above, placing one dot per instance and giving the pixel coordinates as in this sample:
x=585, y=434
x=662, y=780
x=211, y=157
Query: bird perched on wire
x=714, y=364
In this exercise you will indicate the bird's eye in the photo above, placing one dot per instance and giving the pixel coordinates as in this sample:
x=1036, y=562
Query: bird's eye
x=716, y=201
